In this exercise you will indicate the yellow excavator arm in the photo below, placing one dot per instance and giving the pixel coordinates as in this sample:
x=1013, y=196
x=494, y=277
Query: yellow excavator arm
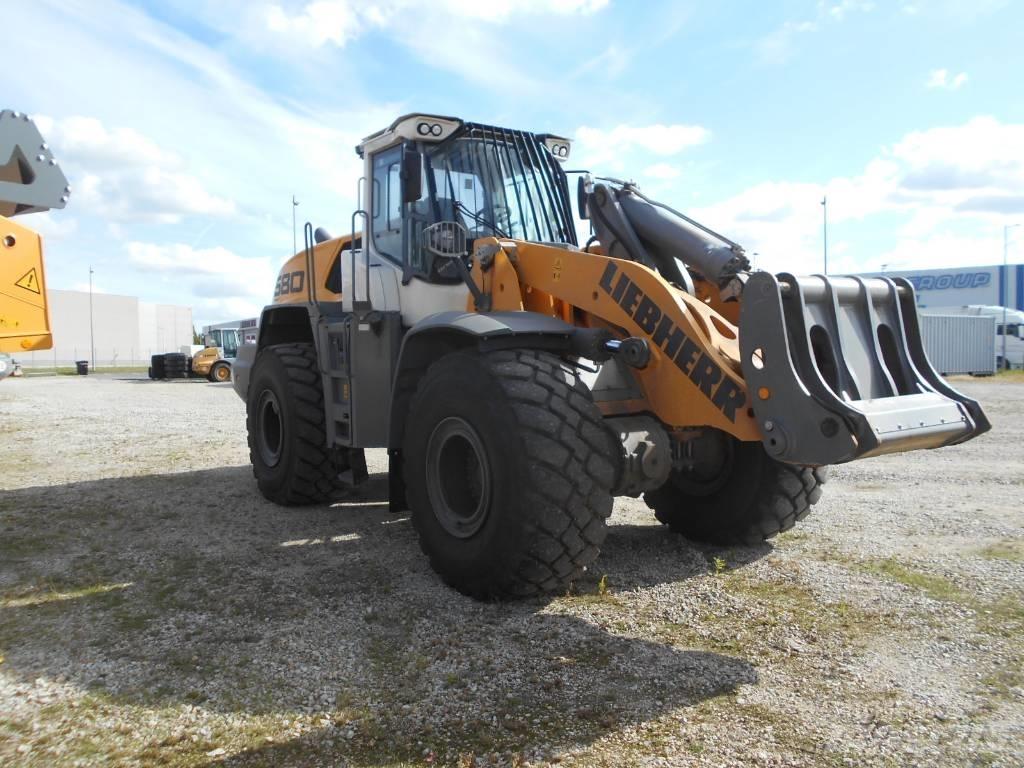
x=30, y=182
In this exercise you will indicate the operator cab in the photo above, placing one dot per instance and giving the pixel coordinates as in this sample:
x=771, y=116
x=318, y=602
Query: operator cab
x=436, y=184
x=226, y=339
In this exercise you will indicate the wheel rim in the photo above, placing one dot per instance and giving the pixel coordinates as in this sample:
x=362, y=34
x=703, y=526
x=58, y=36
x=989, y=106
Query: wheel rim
x=269, y=429
x=458, y=477
x=708, y=463
x=221, y=374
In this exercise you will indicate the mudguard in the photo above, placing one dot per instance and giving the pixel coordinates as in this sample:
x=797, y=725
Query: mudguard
x=444, y=331
x=837, y=370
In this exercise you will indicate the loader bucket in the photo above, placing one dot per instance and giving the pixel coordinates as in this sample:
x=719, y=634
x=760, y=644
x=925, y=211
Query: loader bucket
x=837, y=371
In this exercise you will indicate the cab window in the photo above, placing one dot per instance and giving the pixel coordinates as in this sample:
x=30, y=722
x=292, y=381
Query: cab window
x=386, y=216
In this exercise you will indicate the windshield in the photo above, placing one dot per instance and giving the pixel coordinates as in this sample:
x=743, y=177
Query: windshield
x=226, y=339
x=498, y=182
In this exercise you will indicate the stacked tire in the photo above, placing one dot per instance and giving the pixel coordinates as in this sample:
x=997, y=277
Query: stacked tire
x=175, y=366
x=156, y=367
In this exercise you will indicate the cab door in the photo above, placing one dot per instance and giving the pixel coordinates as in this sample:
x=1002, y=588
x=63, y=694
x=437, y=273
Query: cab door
x=373, y=271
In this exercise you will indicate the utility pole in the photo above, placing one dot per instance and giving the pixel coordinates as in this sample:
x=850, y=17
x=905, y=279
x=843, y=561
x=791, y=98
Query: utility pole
x=92, y=342
x=1006, y=274
x=295, y=241
x=824, y=228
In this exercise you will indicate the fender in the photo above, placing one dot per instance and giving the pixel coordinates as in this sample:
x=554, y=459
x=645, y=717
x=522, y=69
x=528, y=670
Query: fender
x=446, y=332
x=278, y=325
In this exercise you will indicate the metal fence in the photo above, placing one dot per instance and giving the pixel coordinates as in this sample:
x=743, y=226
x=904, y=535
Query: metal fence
x=52, y=359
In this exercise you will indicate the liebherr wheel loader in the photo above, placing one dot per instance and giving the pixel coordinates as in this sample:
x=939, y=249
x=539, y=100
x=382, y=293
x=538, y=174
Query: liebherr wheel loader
x=30, y=181
x=520, y=382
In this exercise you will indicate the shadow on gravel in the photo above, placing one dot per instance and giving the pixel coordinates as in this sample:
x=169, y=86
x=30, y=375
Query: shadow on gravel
x=636, y=556
x=191, y=589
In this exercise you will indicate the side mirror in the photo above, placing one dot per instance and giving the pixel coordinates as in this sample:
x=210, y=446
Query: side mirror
x=412, y=176
x=583, y=185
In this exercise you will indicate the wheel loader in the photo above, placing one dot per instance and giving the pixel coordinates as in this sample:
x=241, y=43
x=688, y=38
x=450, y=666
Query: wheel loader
x=520, y=381
x=31, y=181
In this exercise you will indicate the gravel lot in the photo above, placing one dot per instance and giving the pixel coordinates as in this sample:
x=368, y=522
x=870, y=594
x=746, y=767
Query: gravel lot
x=155, y=610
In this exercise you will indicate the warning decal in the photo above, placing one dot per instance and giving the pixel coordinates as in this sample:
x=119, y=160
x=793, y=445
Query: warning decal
x=29, y=281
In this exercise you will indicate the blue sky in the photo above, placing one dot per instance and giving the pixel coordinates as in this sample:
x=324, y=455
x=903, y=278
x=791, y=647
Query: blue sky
x=186, y=127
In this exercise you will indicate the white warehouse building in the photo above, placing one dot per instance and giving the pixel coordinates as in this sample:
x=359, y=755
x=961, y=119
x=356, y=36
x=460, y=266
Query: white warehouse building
x=125, y=330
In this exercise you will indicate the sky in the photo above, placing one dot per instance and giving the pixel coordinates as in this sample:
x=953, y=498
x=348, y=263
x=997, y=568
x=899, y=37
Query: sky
x=186, y=127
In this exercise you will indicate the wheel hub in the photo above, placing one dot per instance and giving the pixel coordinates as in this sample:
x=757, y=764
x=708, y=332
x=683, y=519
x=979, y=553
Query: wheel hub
x=458, y=477
x=703, y=464
x=269, y=429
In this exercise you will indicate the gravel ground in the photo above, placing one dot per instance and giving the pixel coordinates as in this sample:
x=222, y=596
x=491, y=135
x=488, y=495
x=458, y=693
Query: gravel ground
x=155, y=610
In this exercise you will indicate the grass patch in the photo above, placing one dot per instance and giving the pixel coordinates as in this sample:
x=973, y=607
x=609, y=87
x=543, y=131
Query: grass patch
x=771, y=619
x=1001, y=618
x=796, y=604
x=1016, y=375
x=602, y=594
x=1010, y=549
x=1004, y=681
x=73, y=371
x=936, y=587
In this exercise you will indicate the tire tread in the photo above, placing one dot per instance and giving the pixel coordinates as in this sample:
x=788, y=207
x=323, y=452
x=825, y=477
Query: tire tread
x=315, y=474
x=561, y=434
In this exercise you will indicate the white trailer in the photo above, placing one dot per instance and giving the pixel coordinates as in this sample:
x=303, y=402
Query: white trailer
x=959, y=344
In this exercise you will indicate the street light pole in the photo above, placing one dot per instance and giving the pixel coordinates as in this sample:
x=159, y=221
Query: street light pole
x=1006, y=291
x=295, y=242
x=824, y=228
x=92, y=341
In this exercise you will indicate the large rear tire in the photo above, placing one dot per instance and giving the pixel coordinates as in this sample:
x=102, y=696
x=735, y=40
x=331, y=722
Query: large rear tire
x=735, y=494
x=509, y=470
x=285, y=422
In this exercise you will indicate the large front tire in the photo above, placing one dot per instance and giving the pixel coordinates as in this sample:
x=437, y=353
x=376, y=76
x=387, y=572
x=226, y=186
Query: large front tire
x=286, y=426
x=736, y=495
x=508, y=470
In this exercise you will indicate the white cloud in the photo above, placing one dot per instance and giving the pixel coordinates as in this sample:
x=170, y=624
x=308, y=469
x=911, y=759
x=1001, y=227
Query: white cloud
x=839, y=10
x=52, y=228
x=182, y=259
x=952, y=186
x=937, y=250
x=321, y=22
x=940, y=78
x=219, y=282
x=608, y=149
x=777, y=45
x=438, y=32
x=661, y=171
x=120, y=174
x=339, y=21
x=955, y=163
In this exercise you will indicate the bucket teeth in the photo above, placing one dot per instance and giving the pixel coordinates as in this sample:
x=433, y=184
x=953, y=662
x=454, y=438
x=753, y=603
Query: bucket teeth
x=837, y=370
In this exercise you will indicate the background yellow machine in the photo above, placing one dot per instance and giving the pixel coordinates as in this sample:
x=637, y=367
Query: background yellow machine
x=30, y=181
x=211, y=360
x=520, y=381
